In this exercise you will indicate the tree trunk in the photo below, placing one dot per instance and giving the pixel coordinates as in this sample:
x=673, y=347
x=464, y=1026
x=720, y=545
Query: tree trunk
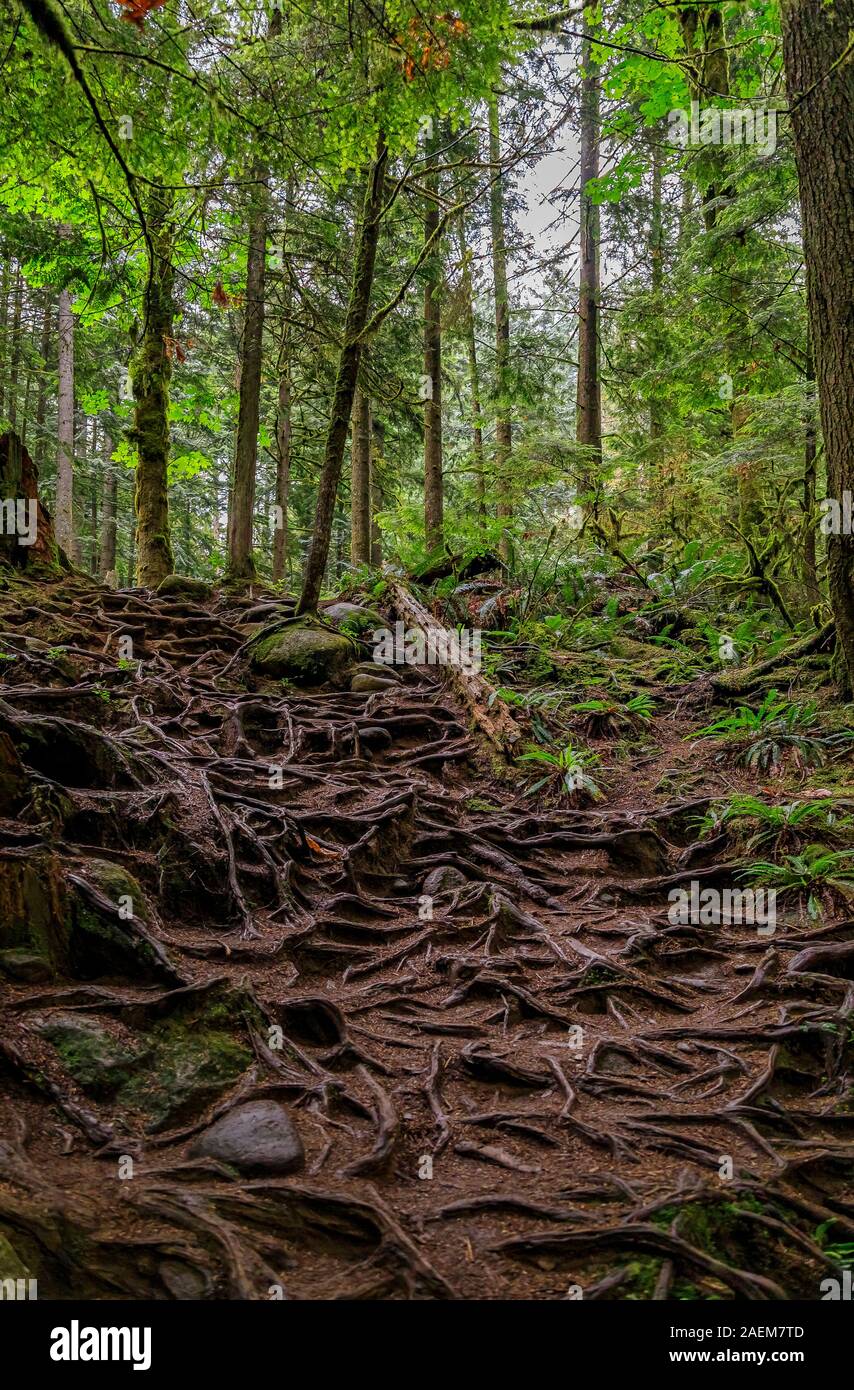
x=345, y=383
x=812, y=592
x=283, y=469
x=588, y=426
x=63, y=519
x=656, y=270
x=41, y=396
x=281, y=561
x=820, y=84
x=151, y=373
x=433, y=483
x=15, y=355
x=474, y=373
x=503, y=425
x=108, y=512
x=240, y=562
x=360, y=485
x=377, y=455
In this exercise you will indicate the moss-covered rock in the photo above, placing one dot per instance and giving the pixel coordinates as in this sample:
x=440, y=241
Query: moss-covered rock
x=183, y=586
x=98, y=1061
x=28, y=966
x=192, y=1063
x=301, y=651
x=353, y=618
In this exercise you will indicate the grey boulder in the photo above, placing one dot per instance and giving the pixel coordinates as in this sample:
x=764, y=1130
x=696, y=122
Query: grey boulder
x=258, y=1137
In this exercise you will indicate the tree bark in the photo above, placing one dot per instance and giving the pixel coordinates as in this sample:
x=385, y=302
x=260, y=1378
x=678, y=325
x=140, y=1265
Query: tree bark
x=345, y=383
x=820, y=85
x=360, y=480
x=588, y=427
x=107, y=558
x=474, y=372
x=15, y=356
x=64, y=515
x=433, y=482
x=503, y=423
x=377, y=455
x=151, y=373
x=241, y=565
x=41, y=395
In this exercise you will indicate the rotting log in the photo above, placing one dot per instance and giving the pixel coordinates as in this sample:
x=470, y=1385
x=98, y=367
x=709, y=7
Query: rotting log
x=490, y=715
x=740, y=682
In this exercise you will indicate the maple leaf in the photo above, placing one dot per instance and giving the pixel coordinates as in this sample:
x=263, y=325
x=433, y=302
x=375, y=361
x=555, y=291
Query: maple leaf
x=136, y=11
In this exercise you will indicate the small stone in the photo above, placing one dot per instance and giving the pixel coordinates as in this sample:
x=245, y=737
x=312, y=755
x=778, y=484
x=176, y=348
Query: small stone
x=184, y=1283
x=363, y=684
x=29, y=966
x=257, y=1137
x=445, y=879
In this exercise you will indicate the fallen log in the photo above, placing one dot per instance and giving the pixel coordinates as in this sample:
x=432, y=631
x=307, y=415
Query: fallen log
x=740, y=682
x=490, y=716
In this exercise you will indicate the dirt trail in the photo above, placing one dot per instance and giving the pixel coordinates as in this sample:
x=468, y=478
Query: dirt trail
x=512, y=1074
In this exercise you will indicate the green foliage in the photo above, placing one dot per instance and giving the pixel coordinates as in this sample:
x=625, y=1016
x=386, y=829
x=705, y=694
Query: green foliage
x=567, y=772
x=778, y=728
x=815, y=873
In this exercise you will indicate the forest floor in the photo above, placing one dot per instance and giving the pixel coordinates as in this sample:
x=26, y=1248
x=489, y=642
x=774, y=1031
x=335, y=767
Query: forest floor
x=512, y=1074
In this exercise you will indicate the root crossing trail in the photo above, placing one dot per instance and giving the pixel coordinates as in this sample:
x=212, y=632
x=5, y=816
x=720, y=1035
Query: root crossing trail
x=507, y=1073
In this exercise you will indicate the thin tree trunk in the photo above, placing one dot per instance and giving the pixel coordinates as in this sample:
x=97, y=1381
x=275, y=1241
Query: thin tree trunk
x=4, y=323
x=434, y=529
x=240, y=562
x=503, y=425
x=377, y=455
x=95, y=485
x=108, y=511
x=41, y=397
x=345, y=383
x=588, y=428
x=360, y=480
x=64, y=518
x=656, y=270
x=820, y=84
x=811, y=585
x=15, y=355
x=474, y=372
x=151, y=373
x=283, y=470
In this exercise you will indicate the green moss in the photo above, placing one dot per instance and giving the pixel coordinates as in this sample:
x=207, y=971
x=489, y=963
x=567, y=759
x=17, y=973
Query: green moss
x=301, y=650
x=98, y=1062
x=182, y=586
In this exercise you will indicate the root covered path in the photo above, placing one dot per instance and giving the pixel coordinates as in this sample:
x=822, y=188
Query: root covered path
x=511, y=1074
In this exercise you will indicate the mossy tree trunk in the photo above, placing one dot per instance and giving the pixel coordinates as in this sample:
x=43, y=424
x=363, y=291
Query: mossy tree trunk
x=503, y=423
x=820, y=83
x=240, y=562
x=63, y=518
x=360, y=480
x=474, y=371
x=434, y=519
x=107, y=558
x=151, y=373
x=345, y=383
x=588, y=422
